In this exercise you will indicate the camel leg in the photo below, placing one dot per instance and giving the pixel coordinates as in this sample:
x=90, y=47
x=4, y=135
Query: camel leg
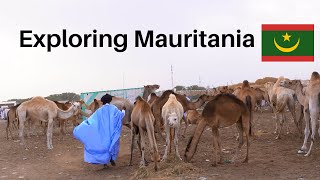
x=306, y=130
x=314, y=112
x=176, y=143
x=281, y=125
x=277, y=119
x=49, y=133
x=153, y=144
x=215, y=146
x=165, y=156
x=8, y=129
x=186, y=124
x=143, y=138
x=22, y=119
x=133, y=133
x=240, y=138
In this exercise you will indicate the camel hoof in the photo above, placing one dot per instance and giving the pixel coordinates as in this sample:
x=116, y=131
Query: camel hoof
x=245, y=161
x=307, y=155
x=278, y=137
x=301, y=151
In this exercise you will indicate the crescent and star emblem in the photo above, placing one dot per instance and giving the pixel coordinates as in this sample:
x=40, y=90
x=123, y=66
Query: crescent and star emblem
x=289, y=49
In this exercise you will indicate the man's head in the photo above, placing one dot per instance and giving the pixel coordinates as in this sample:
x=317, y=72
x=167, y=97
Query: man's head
x=107, y=98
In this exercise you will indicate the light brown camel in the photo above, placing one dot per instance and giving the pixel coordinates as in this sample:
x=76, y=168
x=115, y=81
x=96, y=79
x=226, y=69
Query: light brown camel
x=172, y=113
x=280, y=98
x=153, y=97
x=187, y=105
x=44, y=110
x=311, y=104
x=62, y=122
x=248, y=96
x=223, y=111
x=142, y=123
x=12, y=121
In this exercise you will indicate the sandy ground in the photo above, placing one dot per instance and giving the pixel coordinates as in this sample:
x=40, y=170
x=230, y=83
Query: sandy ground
x=269, y=158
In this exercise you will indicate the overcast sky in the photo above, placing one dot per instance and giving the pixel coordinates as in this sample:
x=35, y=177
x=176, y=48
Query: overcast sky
x=27, y=72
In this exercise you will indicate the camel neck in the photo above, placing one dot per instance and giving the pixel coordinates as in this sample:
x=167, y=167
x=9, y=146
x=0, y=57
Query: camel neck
x=300, y=96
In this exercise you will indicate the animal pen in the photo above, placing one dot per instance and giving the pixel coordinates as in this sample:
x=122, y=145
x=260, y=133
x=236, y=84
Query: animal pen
x=130, y=94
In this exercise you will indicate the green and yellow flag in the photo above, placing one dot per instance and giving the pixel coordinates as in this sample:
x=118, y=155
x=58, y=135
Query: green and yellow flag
x=287, y=42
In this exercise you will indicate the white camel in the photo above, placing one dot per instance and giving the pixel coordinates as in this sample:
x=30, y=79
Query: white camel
x=172, y=112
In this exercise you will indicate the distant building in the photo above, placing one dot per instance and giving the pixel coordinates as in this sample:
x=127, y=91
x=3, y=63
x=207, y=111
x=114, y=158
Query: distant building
x=7, y=104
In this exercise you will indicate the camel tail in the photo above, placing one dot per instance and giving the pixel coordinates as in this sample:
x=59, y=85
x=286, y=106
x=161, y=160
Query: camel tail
x=249, y=105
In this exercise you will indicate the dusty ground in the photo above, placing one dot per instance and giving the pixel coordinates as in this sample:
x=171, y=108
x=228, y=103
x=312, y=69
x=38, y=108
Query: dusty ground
x=269, y=158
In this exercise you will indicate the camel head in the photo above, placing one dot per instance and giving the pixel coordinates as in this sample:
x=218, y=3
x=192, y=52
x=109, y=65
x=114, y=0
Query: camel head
x=204, y=97
x=76, y=107
x=173, y=120
x=293, y=84
x=151, y=88
x=245, y=84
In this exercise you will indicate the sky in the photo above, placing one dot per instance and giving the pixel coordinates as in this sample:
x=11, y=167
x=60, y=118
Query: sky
x=28, y=72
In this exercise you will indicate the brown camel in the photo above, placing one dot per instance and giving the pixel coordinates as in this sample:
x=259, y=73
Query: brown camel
x=223, y=111
x=192, y=117
x=44, y=110
x=149, y=89
x=12, y=121
x=153, y=97
x=260, y=96
x=142, y=121
x=248, y=96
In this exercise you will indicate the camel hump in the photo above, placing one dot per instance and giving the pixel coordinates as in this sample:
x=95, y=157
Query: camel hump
x=139, y=98
x=172, y=96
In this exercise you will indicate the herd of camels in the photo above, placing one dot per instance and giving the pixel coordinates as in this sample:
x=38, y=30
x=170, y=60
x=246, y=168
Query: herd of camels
x=153, y=115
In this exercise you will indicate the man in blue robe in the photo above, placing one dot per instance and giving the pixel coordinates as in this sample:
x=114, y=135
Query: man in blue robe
x=100, y=133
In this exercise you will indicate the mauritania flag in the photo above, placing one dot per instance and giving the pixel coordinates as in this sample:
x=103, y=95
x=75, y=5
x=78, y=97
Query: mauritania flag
x=287, y=42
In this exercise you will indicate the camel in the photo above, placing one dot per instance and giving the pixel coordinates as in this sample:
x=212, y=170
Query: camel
x=223, y=111
x=280, y=98
x=187, y=105
x=153, y=97
x=148, y=90
x=311, y=104
x=62, y=122
x=122, y=103
x=260, y=96
x=142, y=121
x=12, y=121
x=222, y=90
x=44, y=110
x=172, y=113
x=192, y=117
x=248, y=96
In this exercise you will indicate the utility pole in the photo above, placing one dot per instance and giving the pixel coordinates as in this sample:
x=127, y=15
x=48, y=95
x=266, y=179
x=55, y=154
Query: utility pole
x=172, y=77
